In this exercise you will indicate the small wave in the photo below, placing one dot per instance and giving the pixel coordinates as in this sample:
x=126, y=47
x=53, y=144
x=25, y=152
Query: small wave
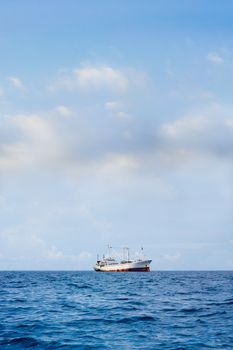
x=168, y=309
x=228, y=302
x=211, y=314
x=191, y=310
x=183, y=326
x=123, y=308
x=23, y=341
x=225, y=302
x=76, y=285
x=20, y=300
x=136, y=319
x=136, y=303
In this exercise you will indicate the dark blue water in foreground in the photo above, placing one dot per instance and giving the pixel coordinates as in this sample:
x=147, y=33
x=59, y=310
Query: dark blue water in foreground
x=89, y=310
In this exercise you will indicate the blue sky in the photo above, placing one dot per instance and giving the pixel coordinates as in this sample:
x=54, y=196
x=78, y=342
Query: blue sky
x=116, y=126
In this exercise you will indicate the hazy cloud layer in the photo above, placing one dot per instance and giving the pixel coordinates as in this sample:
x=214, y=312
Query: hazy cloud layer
x=50, y=139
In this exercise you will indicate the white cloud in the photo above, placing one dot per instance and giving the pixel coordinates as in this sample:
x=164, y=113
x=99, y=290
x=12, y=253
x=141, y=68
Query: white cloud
x=123, y=116
x=202, y=134
x=117, y=163
x=64, y=110
x=215, y=58
x=32, y=140
x=112, y=105
x=91, y=77
x=184, y=126
x=16, y=82
x=34, y=126
x=14, y=156
x=88, y=78
x=41, y=140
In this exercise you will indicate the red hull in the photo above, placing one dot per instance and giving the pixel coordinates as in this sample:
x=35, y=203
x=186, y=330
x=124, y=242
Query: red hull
x=142, y=269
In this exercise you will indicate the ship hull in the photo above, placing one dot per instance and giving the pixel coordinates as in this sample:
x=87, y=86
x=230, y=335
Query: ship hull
x=143, y=269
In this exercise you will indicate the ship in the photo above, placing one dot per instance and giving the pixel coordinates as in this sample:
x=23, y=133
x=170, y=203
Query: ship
x=111, y=264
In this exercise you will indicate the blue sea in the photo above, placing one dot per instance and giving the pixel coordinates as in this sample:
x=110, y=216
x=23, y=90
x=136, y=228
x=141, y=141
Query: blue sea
x=90, y=310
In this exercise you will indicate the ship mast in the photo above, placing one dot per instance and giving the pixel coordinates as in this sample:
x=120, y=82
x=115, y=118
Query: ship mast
x=126, y=255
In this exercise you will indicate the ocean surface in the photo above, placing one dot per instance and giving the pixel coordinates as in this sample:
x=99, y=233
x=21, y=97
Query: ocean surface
x=90, y=310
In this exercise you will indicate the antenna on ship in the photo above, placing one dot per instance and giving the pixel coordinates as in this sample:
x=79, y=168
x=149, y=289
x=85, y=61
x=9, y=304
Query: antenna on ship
x=142, y=253
x=109, y=250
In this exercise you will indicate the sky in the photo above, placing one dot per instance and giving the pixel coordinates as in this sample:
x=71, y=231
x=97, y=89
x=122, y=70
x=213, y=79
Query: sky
x=116, y=127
